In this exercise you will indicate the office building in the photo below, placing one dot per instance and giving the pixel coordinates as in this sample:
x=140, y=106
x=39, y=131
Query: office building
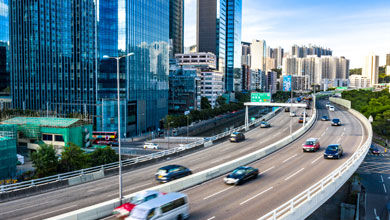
x=271, y=82
x=4, y=46
x=142, y=28
x=176, y=26
x=53, y=67
x=258, y=54
x=387, y=59
x=201, y=59
x=371, y=69
x=210, y=86
x=211, y=29
x=246, y=53
x=270, y=64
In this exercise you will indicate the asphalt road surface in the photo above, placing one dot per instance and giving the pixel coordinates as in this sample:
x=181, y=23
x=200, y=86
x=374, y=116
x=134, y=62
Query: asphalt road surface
x=61, y=201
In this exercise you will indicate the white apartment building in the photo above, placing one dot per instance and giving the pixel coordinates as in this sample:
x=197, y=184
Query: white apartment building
x=210, y=86
x=258, y=54
x=358, y=82
x=371, y=69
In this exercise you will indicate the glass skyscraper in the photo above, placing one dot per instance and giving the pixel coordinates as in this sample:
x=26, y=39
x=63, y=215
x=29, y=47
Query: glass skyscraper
x=233, y=43
x=53, y=55
x=140, y=27
x=176, y=26
x=4, y=43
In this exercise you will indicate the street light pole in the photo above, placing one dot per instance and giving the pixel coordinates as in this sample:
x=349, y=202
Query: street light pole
x=119, y=120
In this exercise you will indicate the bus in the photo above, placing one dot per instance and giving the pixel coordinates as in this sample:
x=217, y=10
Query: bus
x=105, y=138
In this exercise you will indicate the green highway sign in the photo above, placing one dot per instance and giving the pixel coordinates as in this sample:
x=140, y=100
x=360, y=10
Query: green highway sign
x=341, y=88
x=260, y=97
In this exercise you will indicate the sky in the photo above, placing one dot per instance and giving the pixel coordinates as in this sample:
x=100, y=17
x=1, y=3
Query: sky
x=351, y=28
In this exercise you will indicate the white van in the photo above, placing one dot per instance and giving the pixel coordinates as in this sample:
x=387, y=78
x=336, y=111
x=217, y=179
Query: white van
x=167, y=207
x=331, y=108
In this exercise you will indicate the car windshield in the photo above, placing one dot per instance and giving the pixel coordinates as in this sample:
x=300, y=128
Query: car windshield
x=137, y=199
x=336, y=120
x=332, y=148
x=161, y=172
x=309, y=143
x=233, y=135
x=139, y=213
x=239, y=171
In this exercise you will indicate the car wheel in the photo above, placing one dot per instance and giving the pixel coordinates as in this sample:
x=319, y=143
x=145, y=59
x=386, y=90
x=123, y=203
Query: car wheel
x=255, y=176
x=179, y=217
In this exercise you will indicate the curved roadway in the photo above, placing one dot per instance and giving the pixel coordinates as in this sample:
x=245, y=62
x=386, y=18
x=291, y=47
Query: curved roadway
x=72, y=198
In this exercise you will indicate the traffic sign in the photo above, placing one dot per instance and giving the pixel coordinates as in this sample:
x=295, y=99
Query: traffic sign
x=260, y=97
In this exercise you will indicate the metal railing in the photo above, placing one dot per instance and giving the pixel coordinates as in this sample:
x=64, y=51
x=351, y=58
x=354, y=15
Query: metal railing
x=331, y=182
x=132, y=161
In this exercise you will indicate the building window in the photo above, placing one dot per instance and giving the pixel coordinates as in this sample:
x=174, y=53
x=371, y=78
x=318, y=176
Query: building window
x=59, y=138
x=47, y=137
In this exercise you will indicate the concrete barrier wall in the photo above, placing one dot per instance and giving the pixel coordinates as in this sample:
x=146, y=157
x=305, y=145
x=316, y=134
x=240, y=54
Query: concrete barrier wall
x=104, y=209
x=86, y=178
x=342, y=102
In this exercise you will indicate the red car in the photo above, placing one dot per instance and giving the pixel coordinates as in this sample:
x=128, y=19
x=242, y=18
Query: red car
x=125, y=209
x=311, y=144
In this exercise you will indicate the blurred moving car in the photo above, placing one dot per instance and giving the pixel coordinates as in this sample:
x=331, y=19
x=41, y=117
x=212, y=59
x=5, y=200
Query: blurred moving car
x=171, y=172
x=265, y=124
x=300, y=120
x=311, y=144
x=336, y=122
x=150, y=146
x=287, y=109
x=237, y=137
x=374, y=150
x=144, y=196
x=325, y=118
x=241, y=175
x=333, y=151
x=327, y=105
x=331, y=108
x=293, y=114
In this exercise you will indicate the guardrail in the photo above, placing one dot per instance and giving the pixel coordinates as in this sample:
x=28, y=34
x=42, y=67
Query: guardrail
x=104, y=209
x=302, y=205
x=100, y=169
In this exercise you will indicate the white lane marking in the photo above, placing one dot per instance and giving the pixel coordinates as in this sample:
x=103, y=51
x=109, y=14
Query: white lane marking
x=267, y=170
x=326, y=128
x=284, y=161
x=216, y=161
x=384, y=188
x=294, y=174
x=211, y=218
x=243, y=150
x=217, y=193
x=25, y=207
x=344, y=128
x=316, y=159
x=242, y=203
x=322, y=134
x=46, y=213
x=382, y=178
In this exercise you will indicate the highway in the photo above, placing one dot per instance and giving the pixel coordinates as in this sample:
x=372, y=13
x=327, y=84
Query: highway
x=283, y=174
x=72, y=198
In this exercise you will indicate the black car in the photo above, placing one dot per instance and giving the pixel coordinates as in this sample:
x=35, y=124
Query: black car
x=374, y=150
x=171, y=172
x=336, y=122
x=325, y=118
x=237, y=137
x=287, y=110
x=241, y=175
x=333, y=151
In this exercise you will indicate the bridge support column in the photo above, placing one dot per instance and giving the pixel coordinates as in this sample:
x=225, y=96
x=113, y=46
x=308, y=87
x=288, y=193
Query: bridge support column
x=246, y=118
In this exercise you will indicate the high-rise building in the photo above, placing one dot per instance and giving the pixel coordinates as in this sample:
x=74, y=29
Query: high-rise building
x=371, y=69
x=4, y=46
x=233, y=45
x=303, y=51
x=52, y=55
x=142, y=28
x=176, y=26
x=211, y=29
x=258, y=54
x=387, y=59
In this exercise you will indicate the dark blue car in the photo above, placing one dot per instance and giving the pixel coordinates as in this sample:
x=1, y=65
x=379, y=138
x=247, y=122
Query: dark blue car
x=336, y=122
x=325, y=118
x=333, y=151
x=171, y=172
x=241, y=175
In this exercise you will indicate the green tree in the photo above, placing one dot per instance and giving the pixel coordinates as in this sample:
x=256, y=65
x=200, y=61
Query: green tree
x=205, y=103
x=221, y=101
x=73, y=158
x=103, y=156
x=45, y=161
x=357, y=71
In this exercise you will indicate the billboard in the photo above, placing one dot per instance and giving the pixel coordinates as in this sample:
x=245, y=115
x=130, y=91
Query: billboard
x=287, y=83
x=260, y=97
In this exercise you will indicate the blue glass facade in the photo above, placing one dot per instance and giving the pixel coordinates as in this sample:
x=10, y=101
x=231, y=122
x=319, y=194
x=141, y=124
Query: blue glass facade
x=4, y=21
x=53, y=55
x=4, y=42
x=233, y=43
x=140, y=27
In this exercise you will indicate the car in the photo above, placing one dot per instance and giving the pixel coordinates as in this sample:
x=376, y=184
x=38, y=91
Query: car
x=374, y=150
x=150, y=146
x=241, y=175
x=287, y=109
x=237, y=137
x=265, y=124
x=300, y=120
x=325, y=118
x=331, y=108
x=336, y=122
x=171, y=172
x=144, y=196
x=333, y=151
x=293, y=114
x=327, y=105
x=311, y=144
x=303, y=114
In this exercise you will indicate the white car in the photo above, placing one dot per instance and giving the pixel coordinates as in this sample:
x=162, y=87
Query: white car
x=331, y=108
x=293, y=114
x=327, y=105
x=150, y=146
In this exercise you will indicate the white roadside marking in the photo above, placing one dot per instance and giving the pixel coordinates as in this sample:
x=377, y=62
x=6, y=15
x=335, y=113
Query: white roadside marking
x=242, y=203
x=316, y=159
x=322, y=134
x=382, y=178
x=46, y=213
x=267, y=170
x=217, y=193
x=294, y=174
x=384, y=188
x=211, y=218
x=284, y=161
